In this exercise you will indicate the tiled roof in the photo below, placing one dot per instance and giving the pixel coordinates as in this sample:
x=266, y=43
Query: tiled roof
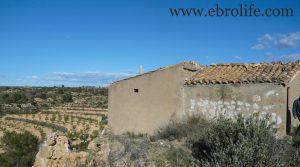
x=276, y=72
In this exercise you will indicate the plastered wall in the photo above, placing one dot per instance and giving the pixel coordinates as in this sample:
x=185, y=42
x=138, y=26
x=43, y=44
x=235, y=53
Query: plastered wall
x=212, y=100
x=159, y=98
x=294, y=93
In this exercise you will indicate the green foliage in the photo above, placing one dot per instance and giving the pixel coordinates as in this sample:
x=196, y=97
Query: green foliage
x=1, y=111
x=5, y=98
x=14, y=98
x=173, y=157
x=67, y=97
x=53, y=117
x=43, y=134
x=60, y=91
x=19, y=98
x=20, y=149
x=66, y=118
x=59, y=117
x=46, y=117
x=96, y=97
x=82, y=135
x=104, y=120
x=180, y=129
x=94, y=134
x=43, y=96
x=242, y=142
x=40, y=123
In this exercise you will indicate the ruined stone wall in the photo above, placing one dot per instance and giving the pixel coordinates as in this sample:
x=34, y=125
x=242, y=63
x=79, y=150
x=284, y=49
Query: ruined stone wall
x=211, y=100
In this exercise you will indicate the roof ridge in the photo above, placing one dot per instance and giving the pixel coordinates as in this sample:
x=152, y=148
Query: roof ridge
x=259, y=63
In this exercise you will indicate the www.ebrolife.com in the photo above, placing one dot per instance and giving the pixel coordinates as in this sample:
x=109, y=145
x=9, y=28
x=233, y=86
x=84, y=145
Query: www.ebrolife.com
x=242, y=10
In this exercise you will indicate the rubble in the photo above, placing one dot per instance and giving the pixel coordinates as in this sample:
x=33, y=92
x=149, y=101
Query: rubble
x=57, y=152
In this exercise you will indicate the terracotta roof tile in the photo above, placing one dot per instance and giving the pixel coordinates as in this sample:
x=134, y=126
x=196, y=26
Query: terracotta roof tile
x=276, y=72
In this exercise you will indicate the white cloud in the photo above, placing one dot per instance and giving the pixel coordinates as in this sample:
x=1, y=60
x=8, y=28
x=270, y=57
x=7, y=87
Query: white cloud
x=258, y=46
x=237, y=57
x=290, y=40
x=34, y=77
x=290, y=57
x=267, y=37
x=263, y=42
x=283, y=58
x=278, y=40
x=86, y=78
x=67, y=79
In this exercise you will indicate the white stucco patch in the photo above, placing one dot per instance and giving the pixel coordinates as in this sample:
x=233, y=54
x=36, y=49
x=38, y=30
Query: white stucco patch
x=268, y=107
x=278, y=120
x=256, y=106
x=212, y=109
x=256, y=98
x=240, y=103
x=247, y=105
x=192, y=105
x=269, y=93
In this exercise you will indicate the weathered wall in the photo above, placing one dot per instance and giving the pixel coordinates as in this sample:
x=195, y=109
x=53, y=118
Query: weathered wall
x=294, y=93
x=159, y=99
x=211, y=100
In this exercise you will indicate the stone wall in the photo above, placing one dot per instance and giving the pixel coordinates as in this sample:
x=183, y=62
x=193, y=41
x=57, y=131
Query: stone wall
x=212, y=100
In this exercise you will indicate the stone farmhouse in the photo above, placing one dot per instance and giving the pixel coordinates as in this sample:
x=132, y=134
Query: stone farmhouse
x=147, y=102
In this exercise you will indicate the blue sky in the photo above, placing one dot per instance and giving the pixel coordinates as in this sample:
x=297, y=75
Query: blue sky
x=93, y=42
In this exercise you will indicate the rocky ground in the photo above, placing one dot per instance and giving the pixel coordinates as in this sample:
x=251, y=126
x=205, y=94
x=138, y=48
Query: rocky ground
x=107, y=150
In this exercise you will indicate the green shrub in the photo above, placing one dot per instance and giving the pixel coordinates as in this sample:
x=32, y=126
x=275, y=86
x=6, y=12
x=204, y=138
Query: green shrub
x=104, y=120
x=82, y=135
x=189, y=128
x=67, y=97
x=19, y=98
x=53, y=117
x=94, y=134
x=59, y=117
x=173, y=157
x=242, y=142
x=66, y=118
x=43, y=96
x=47, y=117
x=20, y=149
x=5, y=98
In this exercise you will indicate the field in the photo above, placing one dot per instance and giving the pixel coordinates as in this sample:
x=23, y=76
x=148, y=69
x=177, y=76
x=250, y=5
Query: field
x=75, y=112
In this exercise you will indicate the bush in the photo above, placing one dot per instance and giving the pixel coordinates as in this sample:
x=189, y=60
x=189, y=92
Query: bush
x=66, y=118
x=173, y=157
x=104, y=120
x=94, y=134
x=20, y=149
x=43, y=96
x=82, y=135
x=53, y=118
x=19, y=98
x=188, y=128
x=67, y=98
x=242, y=142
